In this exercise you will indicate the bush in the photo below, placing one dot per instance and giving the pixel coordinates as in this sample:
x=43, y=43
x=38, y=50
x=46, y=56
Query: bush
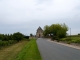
x=12, y=41
x=6, y=43
x=78, y=41
x=69, y=42
x=63, y=39
x=55, y=38
x=18, y=36
x=75, y=41
x=27, y=37
x=68, y=39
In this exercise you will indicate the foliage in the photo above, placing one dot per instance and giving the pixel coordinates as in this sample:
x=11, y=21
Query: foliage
x=15, y=36
x=8, y=39
x=46, y=30
x=69, y=42
x=31, y=35
x=55, y=38
x=6, y=43
x=18, y=36
x=71, y=39
x=53, y=30
x=1, y=36
x=27, y=37
x=79, y=34
x=5, y=37
x=76, y=41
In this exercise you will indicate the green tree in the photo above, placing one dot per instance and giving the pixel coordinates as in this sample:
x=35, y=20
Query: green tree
x=1, y=36
x=31, y=35
x=46, y=30
x=6, y=37
x=58, y=30
x=11, y=37
x=18, y=36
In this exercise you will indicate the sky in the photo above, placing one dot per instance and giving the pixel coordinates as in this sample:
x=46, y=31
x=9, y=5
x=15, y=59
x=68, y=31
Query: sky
x=26, y=16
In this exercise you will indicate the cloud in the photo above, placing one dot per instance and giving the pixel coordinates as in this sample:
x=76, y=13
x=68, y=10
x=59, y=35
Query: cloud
x=27, y=15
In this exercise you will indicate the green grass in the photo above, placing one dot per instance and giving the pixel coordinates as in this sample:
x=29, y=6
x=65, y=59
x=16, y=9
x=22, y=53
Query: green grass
x=72, y=39
x=6, y=43
x=29, y=52
x=10, y=52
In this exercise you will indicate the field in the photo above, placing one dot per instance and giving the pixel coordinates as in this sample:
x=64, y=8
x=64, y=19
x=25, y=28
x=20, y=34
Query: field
x=72, y=39
x=23, y=50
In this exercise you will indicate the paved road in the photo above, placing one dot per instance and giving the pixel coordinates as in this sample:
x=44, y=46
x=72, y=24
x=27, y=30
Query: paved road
x=54, y=51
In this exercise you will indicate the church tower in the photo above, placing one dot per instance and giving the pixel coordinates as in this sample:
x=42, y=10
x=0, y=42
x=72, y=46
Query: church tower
x=39, y=32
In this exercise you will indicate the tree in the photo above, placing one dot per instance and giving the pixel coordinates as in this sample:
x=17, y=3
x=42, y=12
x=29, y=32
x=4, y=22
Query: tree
x=18, y=36
x=31, y=35
x=6, y=37
x=46, y=30
x=1, y=36
x=11, y=37
x=58, y=30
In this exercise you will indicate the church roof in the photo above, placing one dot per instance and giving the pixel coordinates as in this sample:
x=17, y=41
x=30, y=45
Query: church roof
x=39, y=28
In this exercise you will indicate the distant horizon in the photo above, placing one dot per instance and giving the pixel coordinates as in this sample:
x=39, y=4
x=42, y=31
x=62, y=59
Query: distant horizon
x=36, y=30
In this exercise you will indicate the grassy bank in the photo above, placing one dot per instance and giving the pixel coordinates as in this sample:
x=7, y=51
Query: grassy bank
x=29, y=52
x=10, y=52
x=72, y=39
x=68, y=39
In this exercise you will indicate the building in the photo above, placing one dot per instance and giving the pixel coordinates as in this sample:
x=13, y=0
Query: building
x=39, y=32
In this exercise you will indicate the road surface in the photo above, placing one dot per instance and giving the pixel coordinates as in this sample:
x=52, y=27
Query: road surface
x=54, y=51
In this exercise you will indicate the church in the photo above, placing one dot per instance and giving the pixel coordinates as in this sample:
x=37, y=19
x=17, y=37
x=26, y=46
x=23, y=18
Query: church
x=39, y=32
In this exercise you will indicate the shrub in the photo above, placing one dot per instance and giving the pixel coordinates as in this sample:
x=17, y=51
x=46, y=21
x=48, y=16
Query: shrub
x=68, y=39
x=55, y=38
x=69, y=42
x=18, y=36
x=76, y=41
x=6, y=43
x=27, y=37
x=63, y=39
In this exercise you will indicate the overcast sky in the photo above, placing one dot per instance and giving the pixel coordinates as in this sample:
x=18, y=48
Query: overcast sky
x=26, y=16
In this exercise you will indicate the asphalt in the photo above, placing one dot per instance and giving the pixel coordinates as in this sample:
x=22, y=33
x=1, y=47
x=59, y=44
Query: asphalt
x=54, y=51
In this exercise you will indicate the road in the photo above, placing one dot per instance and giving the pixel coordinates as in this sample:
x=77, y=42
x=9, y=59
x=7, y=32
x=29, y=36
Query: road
x=54, y=51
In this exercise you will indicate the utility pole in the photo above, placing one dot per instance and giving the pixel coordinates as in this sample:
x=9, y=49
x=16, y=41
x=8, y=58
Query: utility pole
x=70, y=33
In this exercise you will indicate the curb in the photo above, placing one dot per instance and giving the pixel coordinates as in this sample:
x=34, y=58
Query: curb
x=72, y=46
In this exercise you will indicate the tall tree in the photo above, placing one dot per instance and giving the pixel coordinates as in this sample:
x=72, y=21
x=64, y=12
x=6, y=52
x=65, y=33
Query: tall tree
x=46, y=30
x=56, y=30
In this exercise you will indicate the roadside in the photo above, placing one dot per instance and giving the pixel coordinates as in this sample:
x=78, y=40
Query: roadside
x=10, y=52
x=69, y=45
x=29, y=52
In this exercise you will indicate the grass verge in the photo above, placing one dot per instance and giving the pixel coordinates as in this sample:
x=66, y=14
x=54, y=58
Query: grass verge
x=29, y=52
x=10, y=52
x=71, y=39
